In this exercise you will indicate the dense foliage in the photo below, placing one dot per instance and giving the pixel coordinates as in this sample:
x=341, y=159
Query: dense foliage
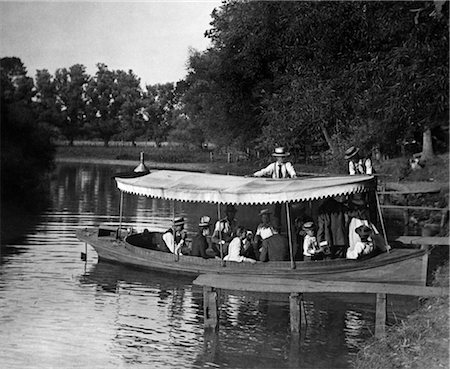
x=318, y=75
x=313, y=76
x=27, y=151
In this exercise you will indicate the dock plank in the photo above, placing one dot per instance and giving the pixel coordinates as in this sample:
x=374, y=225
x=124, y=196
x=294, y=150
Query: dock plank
x=420, y=240
x=284, y=285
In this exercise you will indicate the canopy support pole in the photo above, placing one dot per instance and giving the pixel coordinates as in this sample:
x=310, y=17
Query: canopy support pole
x=118, y=235
x=291, y=248
x=380, y=214
x=220, y=235
x=176, y=255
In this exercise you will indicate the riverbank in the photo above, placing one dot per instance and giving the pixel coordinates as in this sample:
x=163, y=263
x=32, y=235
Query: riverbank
x=421, y=341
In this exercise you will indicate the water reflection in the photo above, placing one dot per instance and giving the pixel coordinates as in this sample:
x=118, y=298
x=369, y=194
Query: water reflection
x=57, y=311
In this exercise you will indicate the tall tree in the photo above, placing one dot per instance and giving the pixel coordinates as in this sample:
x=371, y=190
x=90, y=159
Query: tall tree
x=71, y=87
x=103, y=104
x=131, y=111
x=27, y=149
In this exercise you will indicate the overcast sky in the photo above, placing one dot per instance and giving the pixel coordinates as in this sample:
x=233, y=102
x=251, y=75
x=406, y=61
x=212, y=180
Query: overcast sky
x=151, y=38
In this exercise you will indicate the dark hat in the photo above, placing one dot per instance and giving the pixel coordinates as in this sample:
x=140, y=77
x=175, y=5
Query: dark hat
x=363, y=231
x=204, y=221
x=230, y=209
x=308, y=225
x=265, y=211
x=280, y=151
x=351, y=152
x=358, y=201
x=178, y=221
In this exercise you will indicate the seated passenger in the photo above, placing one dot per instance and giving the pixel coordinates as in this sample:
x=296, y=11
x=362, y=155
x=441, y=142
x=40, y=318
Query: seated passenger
x=311, y=248
x=364, y=247
x=200, y=241
x=250, y=248
x=265, y=228
x=174, y=244
x=235, y=247
x=224, y=231
x=275, y=248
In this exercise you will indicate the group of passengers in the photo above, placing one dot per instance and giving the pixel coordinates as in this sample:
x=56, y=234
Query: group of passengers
x=342, y=231
x=229, y=241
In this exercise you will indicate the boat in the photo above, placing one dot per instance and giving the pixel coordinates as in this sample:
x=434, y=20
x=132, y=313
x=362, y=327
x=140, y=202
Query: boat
x=398, y=265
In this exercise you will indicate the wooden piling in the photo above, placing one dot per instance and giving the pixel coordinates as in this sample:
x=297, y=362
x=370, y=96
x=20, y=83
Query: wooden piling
x=380, y=316
x=210, y=308
x=297, y=312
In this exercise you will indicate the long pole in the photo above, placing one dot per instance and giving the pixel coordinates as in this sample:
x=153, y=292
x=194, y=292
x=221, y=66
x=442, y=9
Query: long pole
x=220, y=235
x=291, y=248
x=120, y=215
x=176, y=256
x=380, y=214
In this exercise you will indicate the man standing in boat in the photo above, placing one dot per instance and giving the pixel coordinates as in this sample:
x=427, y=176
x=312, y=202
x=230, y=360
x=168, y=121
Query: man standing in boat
x=174, y=242
x=357, y=164
x=224, y=231
x=280, y=168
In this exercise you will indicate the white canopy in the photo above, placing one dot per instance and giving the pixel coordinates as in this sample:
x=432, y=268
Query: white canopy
x=227, y=189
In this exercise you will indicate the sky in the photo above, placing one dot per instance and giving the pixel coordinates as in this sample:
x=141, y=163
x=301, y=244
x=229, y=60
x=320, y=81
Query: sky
x=150, y=37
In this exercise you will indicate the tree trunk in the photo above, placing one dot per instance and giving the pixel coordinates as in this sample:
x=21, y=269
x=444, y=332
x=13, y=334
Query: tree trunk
x=106, y=142
x=327, y=138
x=427, y=145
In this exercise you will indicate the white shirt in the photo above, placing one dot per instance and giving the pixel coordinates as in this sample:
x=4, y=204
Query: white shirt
x=234, y=252
x=170, y=243
x=310, y=245
x=360, y=248
x=265, y=231
x=273, y=170
x=360, y=167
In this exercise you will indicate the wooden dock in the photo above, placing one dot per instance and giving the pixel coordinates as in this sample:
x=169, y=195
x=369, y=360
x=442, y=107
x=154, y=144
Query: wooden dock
x=296, y=288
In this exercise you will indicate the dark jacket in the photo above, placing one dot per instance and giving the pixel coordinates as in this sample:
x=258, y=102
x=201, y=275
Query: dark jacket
x=332, y=225
x=275, y=248
x=199, y=246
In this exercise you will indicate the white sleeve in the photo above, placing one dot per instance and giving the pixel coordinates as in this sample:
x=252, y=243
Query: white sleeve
x=267, y=171
x=168, y=239
x=290, y=169
x=356, y=251
x=351, y=168
x=368, y=165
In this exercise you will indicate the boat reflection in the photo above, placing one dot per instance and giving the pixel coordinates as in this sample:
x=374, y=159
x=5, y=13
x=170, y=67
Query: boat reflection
x=157, y=316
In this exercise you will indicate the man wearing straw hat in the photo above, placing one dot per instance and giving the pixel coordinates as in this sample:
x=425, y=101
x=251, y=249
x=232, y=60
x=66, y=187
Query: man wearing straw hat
x=174, y=242
x=279, y=169
x=224, y=230
x=356, y=164
x=200, y=241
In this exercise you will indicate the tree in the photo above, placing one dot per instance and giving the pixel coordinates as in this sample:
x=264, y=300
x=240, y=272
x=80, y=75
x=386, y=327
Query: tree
x=160, y=109
x=46, y=100
x=27, y=149
x=131, y=111
x=71, y=89
x=103, y=104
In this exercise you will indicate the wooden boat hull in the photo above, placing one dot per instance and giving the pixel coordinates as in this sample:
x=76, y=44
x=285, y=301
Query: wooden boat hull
x=406, y=266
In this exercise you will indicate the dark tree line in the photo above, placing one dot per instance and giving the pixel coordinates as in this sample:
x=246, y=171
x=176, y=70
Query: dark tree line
x=312, y=76
x=322, y=75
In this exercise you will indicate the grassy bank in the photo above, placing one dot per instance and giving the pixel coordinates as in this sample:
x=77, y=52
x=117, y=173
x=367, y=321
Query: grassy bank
x=421, y=341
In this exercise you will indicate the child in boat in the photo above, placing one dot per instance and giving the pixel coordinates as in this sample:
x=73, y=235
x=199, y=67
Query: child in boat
x=311, y=248
x=236, y=246
x=364, y=247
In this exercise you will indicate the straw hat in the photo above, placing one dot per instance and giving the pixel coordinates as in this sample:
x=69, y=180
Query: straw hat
x=363, y=231
x=351, y=152
x=265, y=211
x=308, y=226
x=179, y=221
x=280, y=151
x=204, y=221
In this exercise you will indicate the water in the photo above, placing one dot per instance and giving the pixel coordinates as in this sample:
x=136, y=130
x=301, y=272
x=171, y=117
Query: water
x=57, y=311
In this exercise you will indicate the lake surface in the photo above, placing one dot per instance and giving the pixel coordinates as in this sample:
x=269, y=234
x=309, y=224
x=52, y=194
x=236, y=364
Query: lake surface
x=57, y=311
